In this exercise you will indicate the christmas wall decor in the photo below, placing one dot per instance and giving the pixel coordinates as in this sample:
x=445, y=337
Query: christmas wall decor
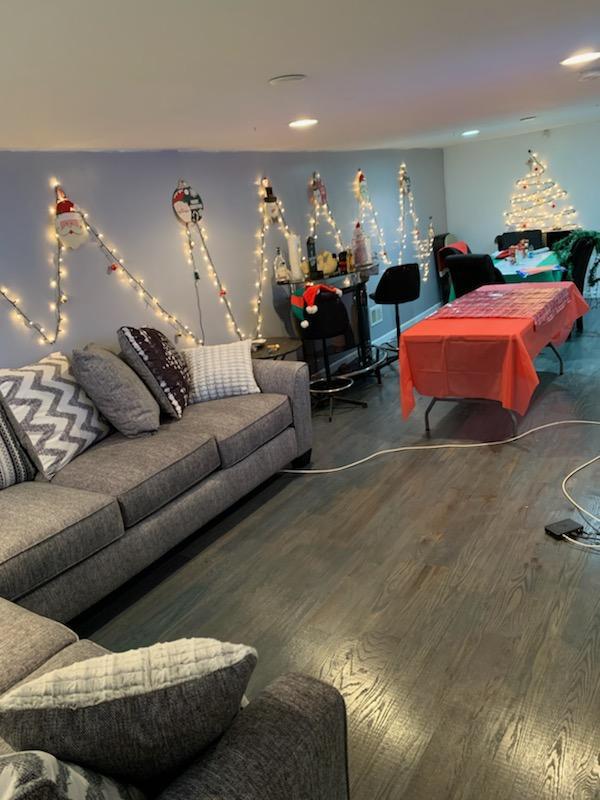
x=421, y=247
x=271, y=213
x=70, y=225
x=538, y=201
x=188, y=208
x=317, y=196
x=68, y=230
x=368, y=216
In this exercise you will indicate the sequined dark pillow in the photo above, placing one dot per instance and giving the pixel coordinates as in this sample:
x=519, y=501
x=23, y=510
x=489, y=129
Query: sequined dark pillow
x=164, y=371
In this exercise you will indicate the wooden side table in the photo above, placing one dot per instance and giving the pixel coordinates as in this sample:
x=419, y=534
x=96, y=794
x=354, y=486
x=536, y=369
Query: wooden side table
x=286, y=347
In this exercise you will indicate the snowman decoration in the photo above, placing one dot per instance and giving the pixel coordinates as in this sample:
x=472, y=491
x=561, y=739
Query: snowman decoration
x=70, y=225
x=187, y=204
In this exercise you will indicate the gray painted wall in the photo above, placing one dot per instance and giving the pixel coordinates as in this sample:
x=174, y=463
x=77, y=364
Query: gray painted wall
x=128, y=198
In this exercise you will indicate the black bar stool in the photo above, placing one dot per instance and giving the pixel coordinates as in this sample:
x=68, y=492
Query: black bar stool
x=401, y=284
x=331, y=319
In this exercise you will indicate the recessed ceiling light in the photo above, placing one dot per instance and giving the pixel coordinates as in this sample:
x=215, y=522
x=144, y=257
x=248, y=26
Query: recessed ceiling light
x=303, y=123
x=528, y=119
x=289, y=78
x=474, y=132
x=581, y=58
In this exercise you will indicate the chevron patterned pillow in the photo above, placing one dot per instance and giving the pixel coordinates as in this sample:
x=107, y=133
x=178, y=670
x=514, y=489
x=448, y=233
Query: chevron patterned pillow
x=15, y=466
x=51, y=414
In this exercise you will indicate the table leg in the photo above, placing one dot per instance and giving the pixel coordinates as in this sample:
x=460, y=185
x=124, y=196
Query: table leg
x=427, y=412
x=560, y=361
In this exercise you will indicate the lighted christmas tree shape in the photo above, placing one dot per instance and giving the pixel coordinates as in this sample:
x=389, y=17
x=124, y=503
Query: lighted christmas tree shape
x=368, y=216
x=539, y=202
x=421, y=247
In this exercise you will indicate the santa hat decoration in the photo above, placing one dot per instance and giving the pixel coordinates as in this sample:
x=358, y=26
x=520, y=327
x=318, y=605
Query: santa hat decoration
x=304, y=301
x=70, y=225
x=186, y=203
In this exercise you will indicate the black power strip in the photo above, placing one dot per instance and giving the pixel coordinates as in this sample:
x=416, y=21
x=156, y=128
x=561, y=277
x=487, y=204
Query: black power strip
x=565, y=527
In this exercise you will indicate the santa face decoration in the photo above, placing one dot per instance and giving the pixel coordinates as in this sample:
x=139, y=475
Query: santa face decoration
x=70, y=226
x=187, y=204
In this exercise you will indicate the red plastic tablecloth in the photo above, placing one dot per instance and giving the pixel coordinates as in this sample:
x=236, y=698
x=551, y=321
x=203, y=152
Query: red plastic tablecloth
x=489, y=358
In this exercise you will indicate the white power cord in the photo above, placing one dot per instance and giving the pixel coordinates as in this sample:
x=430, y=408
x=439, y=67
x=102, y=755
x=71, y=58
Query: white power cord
x=465, y=445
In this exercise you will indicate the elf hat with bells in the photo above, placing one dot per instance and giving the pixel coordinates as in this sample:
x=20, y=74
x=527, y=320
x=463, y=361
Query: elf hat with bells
x=303, y=301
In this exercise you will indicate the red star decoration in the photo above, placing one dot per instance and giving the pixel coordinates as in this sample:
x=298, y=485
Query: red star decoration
x=222, y=293
x=114, y=267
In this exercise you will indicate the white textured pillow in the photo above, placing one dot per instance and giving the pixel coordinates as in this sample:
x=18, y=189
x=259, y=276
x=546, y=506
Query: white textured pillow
x=134, y=715
x=222, y=370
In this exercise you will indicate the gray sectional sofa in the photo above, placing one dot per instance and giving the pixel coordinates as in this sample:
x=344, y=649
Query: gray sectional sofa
x=289, y=743
x=67, y=543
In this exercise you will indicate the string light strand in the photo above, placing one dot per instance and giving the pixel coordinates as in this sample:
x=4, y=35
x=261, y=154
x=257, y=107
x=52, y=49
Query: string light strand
x=118, y=265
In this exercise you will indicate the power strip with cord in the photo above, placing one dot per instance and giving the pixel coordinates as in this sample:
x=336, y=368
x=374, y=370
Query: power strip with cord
x=575, y=528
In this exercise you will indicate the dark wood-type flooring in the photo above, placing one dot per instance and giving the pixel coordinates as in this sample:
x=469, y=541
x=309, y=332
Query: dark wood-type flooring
x=465, y=641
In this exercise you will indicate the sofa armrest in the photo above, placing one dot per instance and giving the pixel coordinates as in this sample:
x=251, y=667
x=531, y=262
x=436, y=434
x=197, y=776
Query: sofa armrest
x=291, y=378
x=287, y=744
x=27, y=641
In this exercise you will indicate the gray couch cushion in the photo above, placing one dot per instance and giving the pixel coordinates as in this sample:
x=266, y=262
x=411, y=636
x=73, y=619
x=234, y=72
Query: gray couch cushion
x=240, y=425
x=46, y=529
x=26, y=642
x=147, y=473
x=116, y=390
x=71, y=654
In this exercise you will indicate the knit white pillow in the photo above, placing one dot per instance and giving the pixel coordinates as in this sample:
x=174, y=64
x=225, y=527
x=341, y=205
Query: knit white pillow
x=134, y=716
x=222, y=370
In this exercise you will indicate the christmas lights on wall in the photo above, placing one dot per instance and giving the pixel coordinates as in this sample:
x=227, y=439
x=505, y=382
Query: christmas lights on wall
x=420, y=247
x=271, y=213
x=188, y=207
x=317, y=196
x=68, y=231
x=367, y=216
x=538, y=201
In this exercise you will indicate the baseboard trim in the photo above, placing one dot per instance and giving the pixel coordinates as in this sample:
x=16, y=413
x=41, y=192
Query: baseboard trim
x=386, y=337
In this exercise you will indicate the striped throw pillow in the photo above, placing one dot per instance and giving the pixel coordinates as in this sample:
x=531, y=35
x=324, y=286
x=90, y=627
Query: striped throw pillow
x=222, y=370
x=15, y=466
x=51, y=414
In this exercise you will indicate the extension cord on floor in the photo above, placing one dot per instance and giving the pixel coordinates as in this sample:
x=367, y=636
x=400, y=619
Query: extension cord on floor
x=465, y=445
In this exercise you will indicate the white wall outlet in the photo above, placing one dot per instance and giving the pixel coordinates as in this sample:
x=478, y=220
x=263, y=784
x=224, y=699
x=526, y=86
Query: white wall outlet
x=376, y=314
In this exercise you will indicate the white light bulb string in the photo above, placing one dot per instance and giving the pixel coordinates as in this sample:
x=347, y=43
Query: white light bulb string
x=422, y=247
x=531, y=203
x=138, y=283
x=196, y=271
x=60, y=298
x=472, y=445
x=321, y=209
x=368, y=215
x=261, y=235
x=214, y=275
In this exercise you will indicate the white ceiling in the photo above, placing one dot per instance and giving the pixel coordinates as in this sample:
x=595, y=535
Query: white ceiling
x=145, y=74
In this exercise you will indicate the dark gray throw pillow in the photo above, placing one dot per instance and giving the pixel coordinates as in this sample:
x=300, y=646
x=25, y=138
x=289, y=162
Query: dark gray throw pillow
x=135, y=716
x=159, y=365
x=116, y=390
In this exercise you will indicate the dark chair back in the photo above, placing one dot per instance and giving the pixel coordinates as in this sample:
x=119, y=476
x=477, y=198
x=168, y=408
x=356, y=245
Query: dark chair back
x=330, y=320
x=400, y=284
x=469, y=272
x=454, y=249
x=580, y=258
x=509, y=238
x=552, y=237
